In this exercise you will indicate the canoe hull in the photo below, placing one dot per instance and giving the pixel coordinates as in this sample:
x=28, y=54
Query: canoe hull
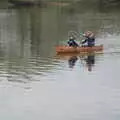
x=67, y=49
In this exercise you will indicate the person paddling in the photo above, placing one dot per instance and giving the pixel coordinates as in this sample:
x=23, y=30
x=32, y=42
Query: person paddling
x=72, y=42
x=90, y=39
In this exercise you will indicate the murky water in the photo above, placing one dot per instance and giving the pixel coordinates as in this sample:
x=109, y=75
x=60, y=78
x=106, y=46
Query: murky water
x=35, y=83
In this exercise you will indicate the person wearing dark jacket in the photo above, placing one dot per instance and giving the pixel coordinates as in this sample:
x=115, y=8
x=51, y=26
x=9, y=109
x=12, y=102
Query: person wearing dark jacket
x=90, y=39
x=72, y=42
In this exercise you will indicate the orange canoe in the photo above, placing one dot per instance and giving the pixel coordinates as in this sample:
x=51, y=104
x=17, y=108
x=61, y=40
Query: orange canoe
x=67, y=49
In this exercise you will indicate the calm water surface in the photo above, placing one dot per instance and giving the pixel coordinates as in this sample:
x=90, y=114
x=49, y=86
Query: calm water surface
x=37, y=84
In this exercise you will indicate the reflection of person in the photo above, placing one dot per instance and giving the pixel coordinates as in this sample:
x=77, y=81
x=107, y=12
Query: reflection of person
x=72, y=61
x=72, y=42
x=90, y=39
x=90, y=61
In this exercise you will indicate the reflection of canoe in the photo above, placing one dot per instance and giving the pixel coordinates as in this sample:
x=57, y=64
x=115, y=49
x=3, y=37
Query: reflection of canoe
x=67, y=49
x=67, y=56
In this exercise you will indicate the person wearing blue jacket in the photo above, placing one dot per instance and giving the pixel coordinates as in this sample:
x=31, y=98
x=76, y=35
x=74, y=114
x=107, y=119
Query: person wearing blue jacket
x=90, y=39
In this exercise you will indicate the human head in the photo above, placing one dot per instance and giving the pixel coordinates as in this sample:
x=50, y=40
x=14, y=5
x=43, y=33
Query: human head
x=71, y=37
x=89, y=34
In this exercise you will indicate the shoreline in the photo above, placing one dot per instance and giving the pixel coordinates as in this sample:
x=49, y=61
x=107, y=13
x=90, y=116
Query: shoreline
x=37, y=3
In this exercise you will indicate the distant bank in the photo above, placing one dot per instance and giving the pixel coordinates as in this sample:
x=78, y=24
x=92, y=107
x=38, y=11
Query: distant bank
x=25, y=2
x=6, y=3
x=40, y=2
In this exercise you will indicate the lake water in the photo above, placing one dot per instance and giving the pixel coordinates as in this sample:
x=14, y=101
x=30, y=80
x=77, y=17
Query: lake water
x=35, y=83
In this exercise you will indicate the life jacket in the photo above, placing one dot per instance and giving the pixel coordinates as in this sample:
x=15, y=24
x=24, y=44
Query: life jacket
x=90, y=41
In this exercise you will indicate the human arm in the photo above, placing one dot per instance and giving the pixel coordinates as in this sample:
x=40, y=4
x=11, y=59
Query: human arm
x=84, y=41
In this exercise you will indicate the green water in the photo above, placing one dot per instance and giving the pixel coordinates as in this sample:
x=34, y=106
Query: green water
x=37, y=84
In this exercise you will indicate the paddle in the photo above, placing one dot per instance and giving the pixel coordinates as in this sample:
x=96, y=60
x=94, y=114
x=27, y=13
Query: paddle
x=81, y=35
